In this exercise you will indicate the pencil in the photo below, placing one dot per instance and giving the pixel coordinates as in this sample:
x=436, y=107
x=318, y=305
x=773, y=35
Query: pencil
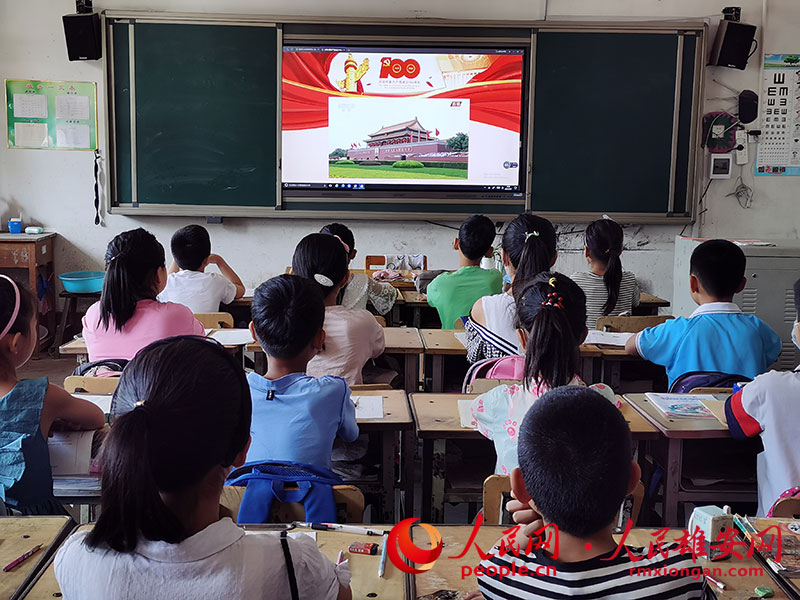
x=382, y=565
x=339, y=558
x=22, y=558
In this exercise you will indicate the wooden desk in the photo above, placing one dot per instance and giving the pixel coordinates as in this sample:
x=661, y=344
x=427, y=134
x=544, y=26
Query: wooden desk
x=446, y=572
x=417, y=302
x=406, y=283
x=20, y=534
x=649, y=304
x=34, y=254
x=676, y=431
x=437, y=420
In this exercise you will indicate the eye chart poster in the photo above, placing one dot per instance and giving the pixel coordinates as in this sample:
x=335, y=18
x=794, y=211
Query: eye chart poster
x=779, y=146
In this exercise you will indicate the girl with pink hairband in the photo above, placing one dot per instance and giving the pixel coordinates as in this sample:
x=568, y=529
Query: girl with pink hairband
x=29, y=410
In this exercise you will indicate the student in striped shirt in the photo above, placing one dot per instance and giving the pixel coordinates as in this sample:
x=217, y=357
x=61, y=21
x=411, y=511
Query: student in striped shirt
x=575, y=470
x=609, y=290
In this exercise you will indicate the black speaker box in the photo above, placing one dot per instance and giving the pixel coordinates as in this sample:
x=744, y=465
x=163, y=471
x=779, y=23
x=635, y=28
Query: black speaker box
x=733, y=45
x=83, y=36
x=748, y=106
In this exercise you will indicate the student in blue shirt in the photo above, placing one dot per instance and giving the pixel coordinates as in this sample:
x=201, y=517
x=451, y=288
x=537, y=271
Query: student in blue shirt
x=295, y=417
x=717, y=336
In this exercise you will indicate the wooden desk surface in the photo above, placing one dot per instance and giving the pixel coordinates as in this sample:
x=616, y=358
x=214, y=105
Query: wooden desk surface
x=436, y=417
x=442, y=341
x=47, y=531
x=403, y=340
x=649, y=299
x=414, y=298
x=396, y=413
x=26, y=238
x=407, y=283
x=677, y=428
x=446, y=573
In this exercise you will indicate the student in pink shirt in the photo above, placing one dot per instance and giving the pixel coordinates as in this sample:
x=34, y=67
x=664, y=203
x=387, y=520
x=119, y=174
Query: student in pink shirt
x=352, y=336
x=128, y=317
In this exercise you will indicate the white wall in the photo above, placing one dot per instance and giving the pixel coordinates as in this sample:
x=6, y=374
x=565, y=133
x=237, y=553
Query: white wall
x=54, y=189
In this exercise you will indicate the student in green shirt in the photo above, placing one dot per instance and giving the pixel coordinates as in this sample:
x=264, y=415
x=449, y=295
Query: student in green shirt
x=453, y=294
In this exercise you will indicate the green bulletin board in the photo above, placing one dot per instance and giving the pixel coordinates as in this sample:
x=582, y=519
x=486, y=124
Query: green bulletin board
x=53, y=115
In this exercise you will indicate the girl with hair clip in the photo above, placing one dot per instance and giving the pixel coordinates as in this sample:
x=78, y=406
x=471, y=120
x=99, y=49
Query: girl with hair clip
x=609, y=290
x=352, y=337
x=551, y=325
x=529, y=248
x=161, y=533
x=361, y=287
x=29, y=410
x=128, y=316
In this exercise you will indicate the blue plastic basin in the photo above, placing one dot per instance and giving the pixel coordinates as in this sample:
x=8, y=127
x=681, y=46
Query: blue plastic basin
x=83, y=282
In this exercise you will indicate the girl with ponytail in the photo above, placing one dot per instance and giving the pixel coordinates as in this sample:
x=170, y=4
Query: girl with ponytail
x=160, y=533
x=128, y=316
x=551, y=316
x=529, y=248
x=609, y=290
x=29, y=410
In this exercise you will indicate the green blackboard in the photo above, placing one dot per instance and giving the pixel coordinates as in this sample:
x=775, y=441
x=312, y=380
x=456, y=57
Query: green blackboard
x=205, y=114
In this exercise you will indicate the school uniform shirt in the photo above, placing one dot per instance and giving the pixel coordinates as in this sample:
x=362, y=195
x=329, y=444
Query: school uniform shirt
x=716, y=337
x=595, y=578
x=499, y=413
x=151, y=321
x=454, y=294
x=297, y=417
x=201, y=292
x=597, y=295
x=769, y=406
x=352, y=337
x=221, y=562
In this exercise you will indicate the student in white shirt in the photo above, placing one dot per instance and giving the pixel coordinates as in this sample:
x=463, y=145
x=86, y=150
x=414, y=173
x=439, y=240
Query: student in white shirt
x=188, y=283
x=161, y=533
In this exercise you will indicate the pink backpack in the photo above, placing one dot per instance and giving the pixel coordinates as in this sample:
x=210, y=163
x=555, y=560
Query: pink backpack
x=505, y=368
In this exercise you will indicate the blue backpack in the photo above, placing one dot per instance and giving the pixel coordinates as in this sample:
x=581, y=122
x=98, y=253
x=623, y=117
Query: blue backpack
x=266, y=481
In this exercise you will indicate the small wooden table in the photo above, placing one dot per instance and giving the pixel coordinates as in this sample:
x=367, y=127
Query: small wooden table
x=33, y=253
x=437, y=420
x=676, y=431
x=649, y=305
x=20, y=534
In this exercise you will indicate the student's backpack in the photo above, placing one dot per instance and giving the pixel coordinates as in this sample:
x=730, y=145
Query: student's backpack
x=505, y=368
x=695, y=379
x=789, y=508
x=89, y=369
x=266, y=481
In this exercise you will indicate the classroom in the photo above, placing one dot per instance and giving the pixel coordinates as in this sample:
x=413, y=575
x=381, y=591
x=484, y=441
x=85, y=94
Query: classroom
x=424, y=300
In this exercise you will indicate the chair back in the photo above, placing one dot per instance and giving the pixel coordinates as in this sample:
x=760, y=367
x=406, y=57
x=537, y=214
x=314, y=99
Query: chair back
x=494, y=486
x=379, y=260
x=381, y=321
x=705, y=379
x=711, y=390
x=481, y=386
x=215, y=320
x=368, y=387
x=349, y=501
x=630, y=324
x=91, y=385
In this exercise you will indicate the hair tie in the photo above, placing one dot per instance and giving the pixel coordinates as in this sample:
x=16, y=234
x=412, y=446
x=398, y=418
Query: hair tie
x=608, y=251
x=531, y=233
x=553, y=299
x=346, y=247
x=15, y=312
x=552, y=282
x=323, y=280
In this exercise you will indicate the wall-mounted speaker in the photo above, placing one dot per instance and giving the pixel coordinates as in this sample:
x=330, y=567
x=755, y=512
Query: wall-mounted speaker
x=82, y=33
x=733, y=45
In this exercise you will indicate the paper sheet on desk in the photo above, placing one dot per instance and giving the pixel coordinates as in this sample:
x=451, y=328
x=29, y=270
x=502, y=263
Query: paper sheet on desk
x=717, y=407
x=608, y=338
x=465, y=414
x=368, y=407
x=102, y=401
x=70, y=452
x=461, y=336
x=233, y=337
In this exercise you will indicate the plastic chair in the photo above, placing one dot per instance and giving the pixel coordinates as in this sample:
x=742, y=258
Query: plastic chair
x=91, y=385
x=630, y=324
x=349, y=501
x=215, y=320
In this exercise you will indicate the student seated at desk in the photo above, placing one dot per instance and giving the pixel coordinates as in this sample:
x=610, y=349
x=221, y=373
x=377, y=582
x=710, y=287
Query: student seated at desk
x=552, y=324
x=188, y=282
x=128, y=316
x=29, y=410
x=575, y=469
x=717, y=336
x=296, y=417
x=361, y=287
x=453, y=294
x=609, y=290
x=768, y=406
x=352, y=337
x=161, y=533
x=529, y=248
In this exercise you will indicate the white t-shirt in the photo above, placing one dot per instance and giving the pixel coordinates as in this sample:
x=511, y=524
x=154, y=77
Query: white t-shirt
x=500, y=312
x=201, y=292
x=221, y=562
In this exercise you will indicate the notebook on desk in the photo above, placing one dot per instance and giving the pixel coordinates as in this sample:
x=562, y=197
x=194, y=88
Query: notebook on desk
x=682, y=406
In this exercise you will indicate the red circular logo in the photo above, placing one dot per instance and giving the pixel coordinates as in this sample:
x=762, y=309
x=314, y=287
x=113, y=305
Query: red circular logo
x=400, y=547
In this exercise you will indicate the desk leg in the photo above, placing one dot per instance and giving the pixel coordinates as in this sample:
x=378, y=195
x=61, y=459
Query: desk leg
x=412, y=373
x=611, y=373
x=408, y=451
x=387, y=477
x=437, y=481
x=417, y=316
x=427, y=480
x=672, y=482
x=588, y=372
x=437, y=386
x=260, y=362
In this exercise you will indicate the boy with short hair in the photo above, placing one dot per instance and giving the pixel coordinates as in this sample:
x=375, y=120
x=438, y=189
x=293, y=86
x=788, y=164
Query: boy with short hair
x=453, y=294
x=768, y=407
x=575, y=470
x=717, y=336
x=188, y=283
